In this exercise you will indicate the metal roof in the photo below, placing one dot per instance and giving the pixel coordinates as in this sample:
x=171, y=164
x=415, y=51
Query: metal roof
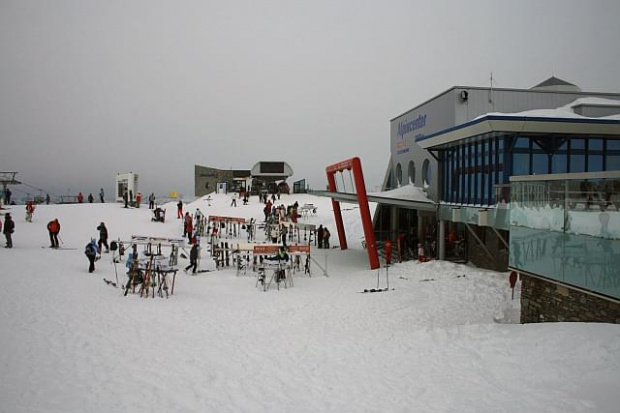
x=403, y=203
x=520, y=124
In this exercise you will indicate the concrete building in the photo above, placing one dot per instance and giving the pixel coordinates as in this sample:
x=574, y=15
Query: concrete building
x=208, y=180
x=263, y=176
x=126, y=183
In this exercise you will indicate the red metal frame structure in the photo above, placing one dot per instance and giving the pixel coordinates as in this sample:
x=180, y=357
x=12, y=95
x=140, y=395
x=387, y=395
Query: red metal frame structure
x=355, y=166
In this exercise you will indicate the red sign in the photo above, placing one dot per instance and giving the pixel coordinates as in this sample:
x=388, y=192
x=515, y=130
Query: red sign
x=513, y=279
x=299, y=248
x=265, y=249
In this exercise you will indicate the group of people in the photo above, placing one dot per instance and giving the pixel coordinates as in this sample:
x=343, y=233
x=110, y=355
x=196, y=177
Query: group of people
x=281, y=212
x=94, y=248
x=322, y=237
x=91, y=198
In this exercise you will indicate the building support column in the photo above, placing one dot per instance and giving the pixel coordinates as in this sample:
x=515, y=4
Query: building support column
x=393, y=223
x=442, y=240
x=421, y=225
x=501, y=238
x=484, y=247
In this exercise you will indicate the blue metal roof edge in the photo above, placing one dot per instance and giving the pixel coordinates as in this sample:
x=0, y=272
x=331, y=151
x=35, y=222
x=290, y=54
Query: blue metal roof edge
x=519, y=118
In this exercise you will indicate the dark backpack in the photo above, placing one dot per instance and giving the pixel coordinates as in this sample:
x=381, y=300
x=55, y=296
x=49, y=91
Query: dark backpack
x=89, y=250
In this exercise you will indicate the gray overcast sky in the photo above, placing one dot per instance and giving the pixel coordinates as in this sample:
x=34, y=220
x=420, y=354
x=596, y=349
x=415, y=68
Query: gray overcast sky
x=92, y=88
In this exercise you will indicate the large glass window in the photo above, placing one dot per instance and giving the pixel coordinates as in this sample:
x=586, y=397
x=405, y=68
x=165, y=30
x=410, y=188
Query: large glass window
x=595, y=163
x=576, y=144
x=595, y=144
x=613, y=163
x=427, y=172
x=559, y=165
x=399, y=174
x=540, y=163
x=412, y=172
x=577, y=163
x=521, y=164
x=613, y=144
x=522, y=143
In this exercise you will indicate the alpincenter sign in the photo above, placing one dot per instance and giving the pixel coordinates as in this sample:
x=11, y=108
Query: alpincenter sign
x=405, y=128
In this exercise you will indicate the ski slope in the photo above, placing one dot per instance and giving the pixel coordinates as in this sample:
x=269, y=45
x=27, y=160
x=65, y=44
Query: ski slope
x=71, y=343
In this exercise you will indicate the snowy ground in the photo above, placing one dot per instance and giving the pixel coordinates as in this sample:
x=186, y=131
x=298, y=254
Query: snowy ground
x=71, y=343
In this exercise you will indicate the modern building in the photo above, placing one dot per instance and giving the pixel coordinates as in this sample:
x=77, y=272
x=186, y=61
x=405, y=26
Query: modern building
x=270, y=177
x=471, y=148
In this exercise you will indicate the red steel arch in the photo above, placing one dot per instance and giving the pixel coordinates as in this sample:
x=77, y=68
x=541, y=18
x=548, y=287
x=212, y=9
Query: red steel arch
x=355, y=166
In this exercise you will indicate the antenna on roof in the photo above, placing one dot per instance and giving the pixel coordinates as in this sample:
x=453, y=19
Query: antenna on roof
x=491, y=92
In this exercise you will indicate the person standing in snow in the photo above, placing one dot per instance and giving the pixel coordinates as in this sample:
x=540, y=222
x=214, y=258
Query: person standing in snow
x=29, y=211
x=101, y=195
x=180, y=209
x=326, y=235
x=91, y=253
x=9, y=228
x=7, y=196
x=283, y=233
x=80, y=198
x=421, y=257
x=152, y=201
x=319, y=236
x=189, y=227
x=47, y=199
x=53, y=227
x=91, y=198
x=126, y=199
x=103, y=238
x=193, y=259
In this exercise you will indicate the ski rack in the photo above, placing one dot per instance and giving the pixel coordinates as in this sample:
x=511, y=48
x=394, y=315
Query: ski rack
x=149, y=242
x=153, y=279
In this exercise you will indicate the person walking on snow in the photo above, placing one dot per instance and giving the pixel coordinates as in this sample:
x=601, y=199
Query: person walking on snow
x=91, y=253
x=53, y=228
x=193, y=259
x=9, y=227
x=103, y=238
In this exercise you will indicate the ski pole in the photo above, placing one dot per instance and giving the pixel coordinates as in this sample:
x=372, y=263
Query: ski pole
x=115, y=272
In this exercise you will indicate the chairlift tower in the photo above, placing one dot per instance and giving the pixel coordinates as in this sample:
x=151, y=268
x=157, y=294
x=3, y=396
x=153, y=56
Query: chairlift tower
x=7, y=178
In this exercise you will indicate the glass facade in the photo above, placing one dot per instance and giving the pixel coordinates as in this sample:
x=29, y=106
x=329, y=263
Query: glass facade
x=568, y=231
x=471, y=169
